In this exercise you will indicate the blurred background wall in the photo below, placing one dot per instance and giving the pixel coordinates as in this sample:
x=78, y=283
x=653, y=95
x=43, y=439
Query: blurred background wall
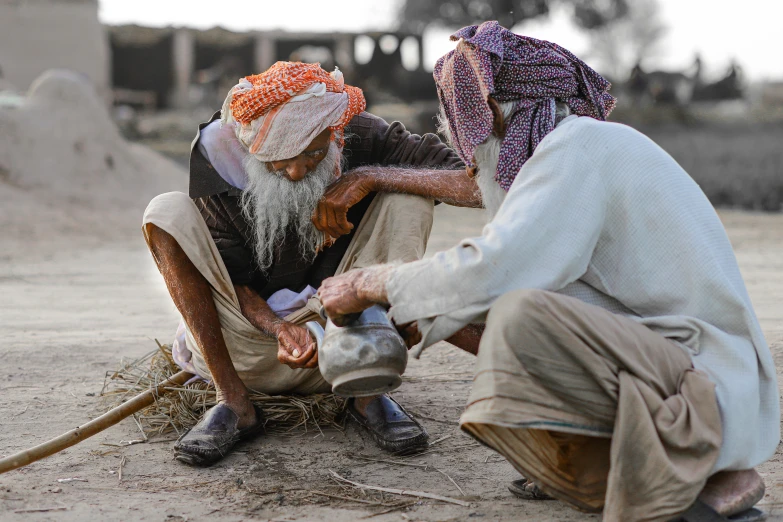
x=702, y=80
x=36, y=35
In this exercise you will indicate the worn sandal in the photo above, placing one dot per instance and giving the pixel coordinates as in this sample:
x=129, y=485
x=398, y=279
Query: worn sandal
x=214, y=436
x=527, y=490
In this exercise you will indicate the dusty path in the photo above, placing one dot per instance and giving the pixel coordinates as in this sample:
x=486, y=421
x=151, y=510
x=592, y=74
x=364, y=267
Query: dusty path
x=72, y=306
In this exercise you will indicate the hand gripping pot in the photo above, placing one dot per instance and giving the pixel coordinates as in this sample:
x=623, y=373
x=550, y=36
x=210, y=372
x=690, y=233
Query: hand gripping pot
x=366, y=357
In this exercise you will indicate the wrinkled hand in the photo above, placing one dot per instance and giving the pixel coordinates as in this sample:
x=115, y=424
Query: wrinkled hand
x=331, y=214
x=295, y=347
x=341, y=296
x=410, y=333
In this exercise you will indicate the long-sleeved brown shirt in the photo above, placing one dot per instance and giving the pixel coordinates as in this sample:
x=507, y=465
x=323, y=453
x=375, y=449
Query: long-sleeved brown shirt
x=369, y=141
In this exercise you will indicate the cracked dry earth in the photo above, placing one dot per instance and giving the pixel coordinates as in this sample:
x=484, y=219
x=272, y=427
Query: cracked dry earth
x=76, y=300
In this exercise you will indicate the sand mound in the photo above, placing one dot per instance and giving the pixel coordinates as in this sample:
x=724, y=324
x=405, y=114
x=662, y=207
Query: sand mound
x=61, y=154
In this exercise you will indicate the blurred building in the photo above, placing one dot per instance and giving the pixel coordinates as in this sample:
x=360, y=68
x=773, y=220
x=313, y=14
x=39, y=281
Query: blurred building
x=179, y=67
x=36, y=35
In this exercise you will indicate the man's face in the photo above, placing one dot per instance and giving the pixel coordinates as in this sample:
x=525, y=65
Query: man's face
x=296, y=168
x=280, y=202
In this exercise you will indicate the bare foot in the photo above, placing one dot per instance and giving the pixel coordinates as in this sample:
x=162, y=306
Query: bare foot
x=244, y=410
x=731, y=492
x=360, y=403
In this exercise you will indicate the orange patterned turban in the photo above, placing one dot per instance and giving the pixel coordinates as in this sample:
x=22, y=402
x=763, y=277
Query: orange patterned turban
x=278, y=113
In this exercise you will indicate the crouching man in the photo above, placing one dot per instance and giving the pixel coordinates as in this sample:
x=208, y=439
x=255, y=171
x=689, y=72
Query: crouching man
x=620, y=364
x=268, y=217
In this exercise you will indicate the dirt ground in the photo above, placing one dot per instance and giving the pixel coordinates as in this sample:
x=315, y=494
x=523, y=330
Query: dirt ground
x=80, y=295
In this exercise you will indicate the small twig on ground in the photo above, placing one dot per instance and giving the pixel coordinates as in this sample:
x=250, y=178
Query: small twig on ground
x=74, y=479
x=340, y=484
x=119, y=472
x=451, y=479
x=395, y=508
x=340, y=497
x=388, y=461
x=270, y=491
x=21, y=412
x=180, y=486
x=41, y=510
x=132, y=442
x=422, y=494
x=143, y=435
x=166, y=355
x=441, y=439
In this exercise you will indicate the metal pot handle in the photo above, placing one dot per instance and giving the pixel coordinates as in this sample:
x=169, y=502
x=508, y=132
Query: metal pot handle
x=317, y=330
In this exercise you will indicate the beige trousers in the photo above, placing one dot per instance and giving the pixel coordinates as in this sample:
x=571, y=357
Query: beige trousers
x=395, y=227
x=598, y=410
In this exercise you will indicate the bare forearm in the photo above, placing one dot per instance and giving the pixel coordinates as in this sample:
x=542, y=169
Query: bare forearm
x=453, y=187
x=257, y=311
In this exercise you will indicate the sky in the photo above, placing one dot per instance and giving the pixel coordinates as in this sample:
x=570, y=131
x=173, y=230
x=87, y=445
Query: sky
x=718, y=29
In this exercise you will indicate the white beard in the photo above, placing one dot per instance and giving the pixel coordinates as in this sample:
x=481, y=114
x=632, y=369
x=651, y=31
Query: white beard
x=486, y=156
x=276, y=206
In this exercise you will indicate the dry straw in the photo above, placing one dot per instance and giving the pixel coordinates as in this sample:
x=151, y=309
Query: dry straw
x=183, y=406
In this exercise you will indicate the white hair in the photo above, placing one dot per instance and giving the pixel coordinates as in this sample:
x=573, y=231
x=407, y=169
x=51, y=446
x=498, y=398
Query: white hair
x=276, y=206
x=487, y=155
x=443, y=125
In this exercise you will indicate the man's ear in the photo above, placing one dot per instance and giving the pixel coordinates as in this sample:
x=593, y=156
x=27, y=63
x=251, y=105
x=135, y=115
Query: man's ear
x=498, y=122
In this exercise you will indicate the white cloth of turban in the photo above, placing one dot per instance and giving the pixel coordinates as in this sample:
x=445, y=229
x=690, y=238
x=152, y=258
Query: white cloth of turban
x=285, y=131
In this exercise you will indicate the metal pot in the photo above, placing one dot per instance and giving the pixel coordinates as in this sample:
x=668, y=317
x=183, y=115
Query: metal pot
x=365, y=357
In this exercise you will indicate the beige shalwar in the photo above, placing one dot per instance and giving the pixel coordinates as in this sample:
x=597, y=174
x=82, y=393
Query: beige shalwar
x=395, y=227
x=593, y=407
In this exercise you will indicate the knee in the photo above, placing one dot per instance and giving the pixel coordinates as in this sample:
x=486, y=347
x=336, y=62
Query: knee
x=408, y=204
x=164, y=249
x=521, y=314
x=527, y=305
x=168, y=199
x=160, y=210
x=158, y=240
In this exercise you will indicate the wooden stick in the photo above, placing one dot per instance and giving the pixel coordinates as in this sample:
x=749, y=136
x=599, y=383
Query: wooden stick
x=108, y=419
x=409, y=493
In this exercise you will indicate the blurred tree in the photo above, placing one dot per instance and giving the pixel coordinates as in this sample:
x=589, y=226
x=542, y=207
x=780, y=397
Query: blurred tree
x=627, y=41
x=417, y=15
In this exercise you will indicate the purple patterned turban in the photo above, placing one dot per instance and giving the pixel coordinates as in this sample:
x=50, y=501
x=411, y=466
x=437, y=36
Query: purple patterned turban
x=492, y=61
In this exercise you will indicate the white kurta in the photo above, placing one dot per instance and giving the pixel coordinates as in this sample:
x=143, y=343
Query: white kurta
x=601, y=213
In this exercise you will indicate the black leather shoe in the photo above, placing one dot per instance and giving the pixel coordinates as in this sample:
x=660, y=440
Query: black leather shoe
x=392, y=428
x=214, y=436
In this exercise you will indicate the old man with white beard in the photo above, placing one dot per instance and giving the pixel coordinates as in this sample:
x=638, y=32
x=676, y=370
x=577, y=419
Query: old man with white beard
x=269, y=215
x=620, y=365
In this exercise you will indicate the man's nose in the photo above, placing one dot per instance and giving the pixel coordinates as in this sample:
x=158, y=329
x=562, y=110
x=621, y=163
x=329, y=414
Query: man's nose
x=297, y=170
